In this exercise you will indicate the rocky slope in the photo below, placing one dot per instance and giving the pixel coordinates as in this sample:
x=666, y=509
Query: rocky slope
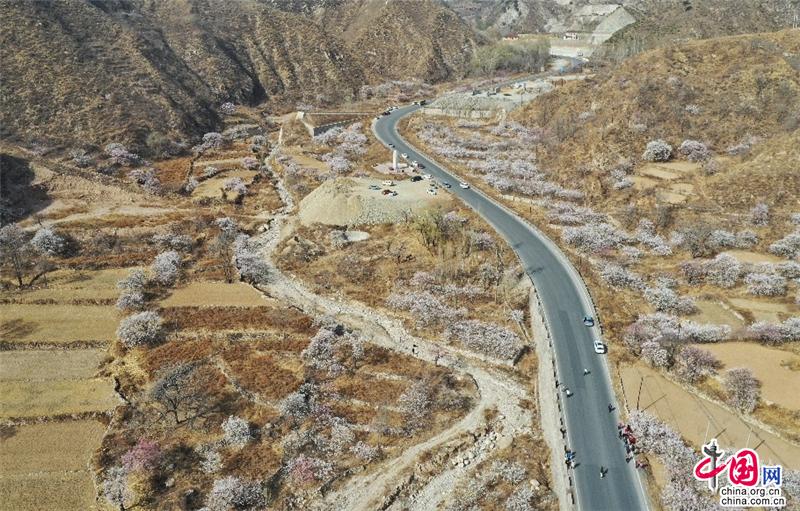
x=79, y=72
x=661, y=22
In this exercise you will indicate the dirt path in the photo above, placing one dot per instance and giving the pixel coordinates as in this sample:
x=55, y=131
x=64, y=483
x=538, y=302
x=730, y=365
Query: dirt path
x=374, y=490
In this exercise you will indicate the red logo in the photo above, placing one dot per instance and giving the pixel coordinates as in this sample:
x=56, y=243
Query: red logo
x=742, y=466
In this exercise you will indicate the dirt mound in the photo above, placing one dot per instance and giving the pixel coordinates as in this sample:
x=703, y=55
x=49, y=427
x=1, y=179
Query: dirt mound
x=350, y=201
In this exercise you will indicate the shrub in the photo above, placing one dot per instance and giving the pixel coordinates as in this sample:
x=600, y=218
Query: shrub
x=694, y=150
x=237, y=431
x=594, y=237
x=234, y=493
x=655, y=354
x=692, y=364
x=235, y=185
x=619, y=276
x=116, y=488
x=776, y=333
x=250, y=163
x=135, y=281
x=487, y=338
x=415, y=403
x=80, y=158
x=723, y=271
x=426, y=309
x=46, y=241
x=253, y=269
x=664, y=299
x=657, y=150
x=760, y=215
x=788, y=246
x=140, y=329
x=743, y=389
x=765, y=284
x=191, y=185
x=130, y=300
x=166, y=267
x=227, y=108
x=142, y=456
x=365, y=452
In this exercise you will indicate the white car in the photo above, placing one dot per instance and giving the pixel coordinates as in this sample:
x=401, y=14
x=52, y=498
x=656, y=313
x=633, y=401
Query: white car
x=388, y=182
x=599, y=347
x=463, y=185
x=414, y=163
x=427, y=176
x=404, y=156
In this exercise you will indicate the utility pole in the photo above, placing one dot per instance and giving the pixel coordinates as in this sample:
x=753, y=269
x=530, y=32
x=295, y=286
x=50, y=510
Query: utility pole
x=639, y=395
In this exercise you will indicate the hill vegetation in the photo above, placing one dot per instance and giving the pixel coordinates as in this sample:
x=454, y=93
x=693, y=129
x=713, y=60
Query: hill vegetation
x=125, y=71
x=723, y=92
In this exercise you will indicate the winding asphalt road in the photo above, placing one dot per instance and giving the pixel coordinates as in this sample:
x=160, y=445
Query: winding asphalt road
x=591, y=428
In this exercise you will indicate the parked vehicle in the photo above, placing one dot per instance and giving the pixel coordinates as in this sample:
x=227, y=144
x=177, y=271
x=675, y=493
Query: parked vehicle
x=388, y=182
x=414, y=179
x=386, y=192
x=588, y=321
x=427, y=176
x=463, y=185
x=445, y=184
x=374, y=187
x=432, y=191
x=404, y=156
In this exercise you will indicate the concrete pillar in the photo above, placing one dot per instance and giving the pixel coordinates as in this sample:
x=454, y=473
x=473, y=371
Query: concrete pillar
x=394, y=159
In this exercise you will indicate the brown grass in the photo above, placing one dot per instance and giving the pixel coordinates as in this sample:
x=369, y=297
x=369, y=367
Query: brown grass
x=237, y=318
x=371, y=390
x=261, y=373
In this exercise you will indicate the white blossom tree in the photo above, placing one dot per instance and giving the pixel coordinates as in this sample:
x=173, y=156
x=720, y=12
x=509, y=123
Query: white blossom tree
x=140, y=329
x=46, y=241
x=657, y=150
x=166, y=267
x=765, y=284
x=237, y=431
x=743, y=389
x=235, y=493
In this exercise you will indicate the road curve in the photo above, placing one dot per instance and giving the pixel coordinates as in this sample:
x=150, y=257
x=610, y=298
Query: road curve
x=591, y=429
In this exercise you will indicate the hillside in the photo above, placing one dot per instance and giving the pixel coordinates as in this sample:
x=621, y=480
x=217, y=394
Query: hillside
x=720, y=92
x=121, y=70
x=660, y=22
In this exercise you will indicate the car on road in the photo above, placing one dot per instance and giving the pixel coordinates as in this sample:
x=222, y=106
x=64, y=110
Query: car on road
x=588, y=321
x=414, y=163
x=599, y=347
x=445, y=184
x=414, y=179
x=432, y=191
x=388, y=182
x=391, y=145
x=404, y=156
x=420, y=166
x=427, y=176
x=463, y=185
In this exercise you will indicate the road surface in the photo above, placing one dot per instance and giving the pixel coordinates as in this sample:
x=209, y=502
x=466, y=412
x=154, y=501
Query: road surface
x=591, y=429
